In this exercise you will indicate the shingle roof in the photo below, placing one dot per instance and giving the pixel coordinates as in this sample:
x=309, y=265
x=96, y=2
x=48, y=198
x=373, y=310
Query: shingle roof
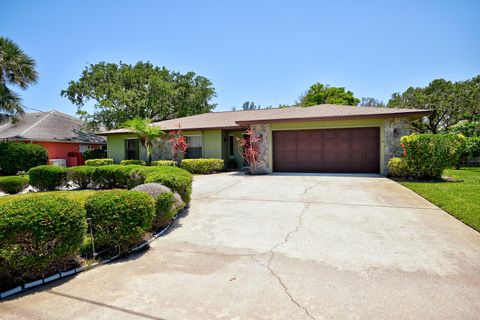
x=241, y=119
x=47, y=126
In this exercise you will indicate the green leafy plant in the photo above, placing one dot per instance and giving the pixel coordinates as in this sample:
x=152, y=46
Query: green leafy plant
x=427, y=155
x=136, y=162
x=94, y=154
x=13, y=184
x=39, y=236
x=17, y=156
x=171, y=163
x=47, y=178
x=164, y=212
x=397, y=168
x=114, y=176
x=99, y=162
x=146, y=132
x=119, y=218
x=179, y=183
x=202, y=166
x=81, y=175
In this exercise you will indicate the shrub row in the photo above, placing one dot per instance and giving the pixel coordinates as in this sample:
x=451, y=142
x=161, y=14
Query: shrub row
x=94, y=154
x=202, y=166
x=99, y=162
x=137, y=162
x=171, y=163
x=426, y=155
x=13, y=184
x=42, y=235
x=16, y=157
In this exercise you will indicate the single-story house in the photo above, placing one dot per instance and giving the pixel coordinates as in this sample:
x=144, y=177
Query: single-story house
x=61, y=134
x=322, y=138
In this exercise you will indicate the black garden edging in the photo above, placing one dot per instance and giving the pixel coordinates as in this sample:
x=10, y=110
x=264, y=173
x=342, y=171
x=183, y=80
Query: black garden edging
x=64, y=274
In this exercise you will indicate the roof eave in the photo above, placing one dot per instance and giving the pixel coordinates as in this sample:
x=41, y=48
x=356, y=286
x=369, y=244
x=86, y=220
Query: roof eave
x=412, y=115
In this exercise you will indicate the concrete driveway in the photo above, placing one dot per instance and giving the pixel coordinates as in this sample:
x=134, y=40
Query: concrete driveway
x=284, y=247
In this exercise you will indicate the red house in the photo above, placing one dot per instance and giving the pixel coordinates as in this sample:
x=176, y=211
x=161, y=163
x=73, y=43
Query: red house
x=61, y=134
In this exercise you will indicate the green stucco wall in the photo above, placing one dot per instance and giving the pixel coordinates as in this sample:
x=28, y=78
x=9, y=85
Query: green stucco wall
x=212, y=142
x=116, y=147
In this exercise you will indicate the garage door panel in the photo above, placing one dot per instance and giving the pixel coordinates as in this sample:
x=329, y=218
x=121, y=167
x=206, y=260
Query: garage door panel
x=327, y=150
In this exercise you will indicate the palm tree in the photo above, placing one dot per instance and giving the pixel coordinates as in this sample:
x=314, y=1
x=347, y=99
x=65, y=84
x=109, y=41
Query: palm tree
x=16, y=68
x=146, y=132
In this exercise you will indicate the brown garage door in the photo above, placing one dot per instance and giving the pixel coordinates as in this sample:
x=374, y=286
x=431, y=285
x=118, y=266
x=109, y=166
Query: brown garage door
x=355, y=150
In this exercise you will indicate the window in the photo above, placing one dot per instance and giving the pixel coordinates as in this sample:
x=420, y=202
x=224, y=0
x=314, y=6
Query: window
x=230, y=145
x=132, y=151
x=194, y=147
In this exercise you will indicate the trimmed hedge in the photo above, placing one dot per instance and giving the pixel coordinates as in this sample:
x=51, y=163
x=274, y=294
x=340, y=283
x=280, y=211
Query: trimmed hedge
x=427, y=155
x=137, y=162
x=177, y=182
x=202, y=166
x=99, y=162
x=170, y=163
x=13, y=184
x=120, y=218
x=39, y=236
x=94, y=154
x=115, y=176
x=81, y=175
x=47, y=178
x=18, y=156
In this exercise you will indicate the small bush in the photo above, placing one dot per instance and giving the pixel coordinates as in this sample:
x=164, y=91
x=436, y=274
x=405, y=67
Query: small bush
x=170, y=163
x=13, y=184
x=114, y=176
x=47, y=178
x=120, y=218
x=17, y=156
x=38, y=236
x=137, y=162
x=81, y=175
x=397, y=168
x=99, y=162
x=179, y=183
x=164, y=211
x=427, y=155
x=94, y=154
x=156, y=189
x=202, y=166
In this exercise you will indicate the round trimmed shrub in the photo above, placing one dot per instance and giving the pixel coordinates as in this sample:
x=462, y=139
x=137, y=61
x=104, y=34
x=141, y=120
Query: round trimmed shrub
x=47, y=178
x=177, y=182
x=120, y=218
x=136, y=162
x=99, y=162
x=202, y=166
x=13, y=184
x=38, y=236
x=18, y=156
x=397, y=168
x=164, y=211
x=156, y=189
x=170, y=163
x=115, y=176
x=94, y=154
x=81, y=175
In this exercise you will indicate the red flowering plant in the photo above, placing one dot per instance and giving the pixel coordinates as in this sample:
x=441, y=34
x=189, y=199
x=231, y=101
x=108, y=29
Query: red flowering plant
x=249, y=148
x=404, y=151
x=178, y=144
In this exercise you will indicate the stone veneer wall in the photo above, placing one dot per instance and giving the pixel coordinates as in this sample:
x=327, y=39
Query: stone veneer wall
x=395, y=128
x=162, y=150
x=264, y=165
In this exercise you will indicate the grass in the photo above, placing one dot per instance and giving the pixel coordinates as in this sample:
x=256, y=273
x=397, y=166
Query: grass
x=78, y=195
x=461, y=199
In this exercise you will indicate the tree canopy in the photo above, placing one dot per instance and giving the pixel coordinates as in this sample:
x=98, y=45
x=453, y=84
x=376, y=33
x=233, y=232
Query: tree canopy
x=121, y=92
x=320, y=94
x=371, y=102
x=16, y=68
x=449, y=101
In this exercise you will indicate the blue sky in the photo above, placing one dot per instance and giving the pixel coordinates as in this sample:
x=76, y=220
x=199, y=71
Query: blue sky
x=263, y=51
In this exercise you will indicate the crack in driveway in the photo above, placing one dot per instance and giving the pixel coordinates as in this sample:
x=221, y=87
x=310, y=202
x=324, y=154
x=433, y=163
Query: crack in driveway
x=271, y=253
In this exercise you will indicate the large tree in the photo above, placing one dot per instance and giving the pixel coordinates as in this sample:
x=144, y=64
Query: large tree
x=371, y=102
x=16, y=68
x=121, y=92
x=449, y=101
x=320, y=94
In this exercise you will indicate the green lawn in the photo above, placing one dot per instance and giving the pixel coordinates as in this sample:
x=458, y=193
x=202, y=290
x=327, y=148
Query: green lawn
x=79, y=195
x=460, y=199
